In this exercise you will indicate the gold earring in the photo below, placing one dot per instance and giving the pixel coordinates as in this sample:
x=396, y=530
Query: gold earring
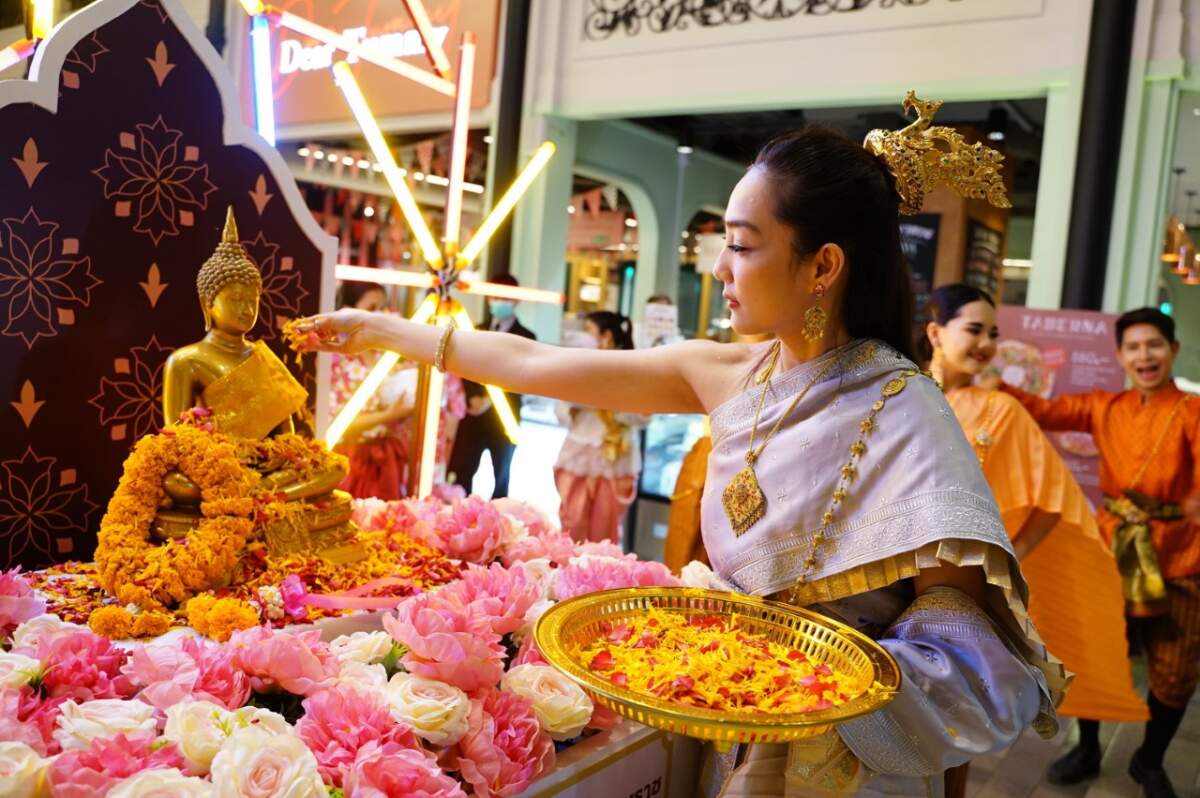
x=815, y=318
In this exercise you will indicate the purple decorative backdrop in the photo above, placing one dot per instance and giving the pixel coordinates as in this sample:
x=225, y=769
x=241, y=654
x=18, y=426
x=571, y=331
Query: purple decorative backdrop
x=108, y=207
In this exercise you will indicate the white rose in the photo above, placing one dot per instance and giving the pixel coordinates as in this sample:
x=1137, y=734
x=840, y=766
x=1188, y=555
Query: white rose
x=17, y=670
x=541, y=571
x=262, y=719
x=535, y=611
x=253, y=763
x=363, y=677
x=561, y=706
x=29, y=633
x=365, y=647
x=436, y=711
x=79, y=724
x=166, y=783
x=22, y=771
x=198, y=729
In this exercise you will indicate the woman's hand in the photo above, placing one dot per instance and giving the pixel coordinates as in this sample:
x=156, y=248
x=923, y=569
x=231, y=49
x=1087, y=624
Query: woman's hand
x=348, y=331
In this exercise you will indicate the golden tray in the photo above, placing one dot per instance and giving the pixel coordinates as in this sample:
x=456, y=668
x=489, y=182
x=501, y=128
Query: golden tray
x=874, y=673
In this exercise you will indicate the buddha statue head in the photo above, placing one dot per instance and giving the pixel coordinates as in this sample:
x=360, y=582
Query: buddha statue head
x=229, y=285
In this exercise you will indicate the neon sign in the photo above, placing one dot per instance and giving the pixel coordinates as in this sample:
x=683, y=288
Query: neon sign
x=295, y=57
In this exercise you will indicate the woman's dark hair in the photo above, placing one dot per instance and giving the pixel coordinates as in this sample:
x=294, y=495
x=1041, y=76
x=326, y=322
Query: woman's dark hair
x=1152, y=316
x=620, y=327
x=943, y=306
x=830, y=190
x=349, y=293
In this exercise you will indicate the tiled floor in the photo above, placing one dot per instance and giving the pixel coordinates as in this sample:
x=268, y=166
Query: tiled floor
x=1020, y=771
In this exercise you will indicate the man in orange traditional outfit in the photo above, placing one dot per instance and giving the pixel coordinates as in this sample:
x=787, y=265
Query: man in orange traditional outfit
x=1149, y=442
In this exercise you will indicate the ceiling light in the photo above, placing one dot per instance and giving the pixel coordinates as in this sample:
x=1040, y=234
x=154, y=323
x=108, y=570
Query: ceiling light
x=570, y=209
x=304, y=152
x=331, y=157
x=368, y=211
x=319, y=155
x=684, y=149
x=631, y=222
x=364, y=164
x=488, y=139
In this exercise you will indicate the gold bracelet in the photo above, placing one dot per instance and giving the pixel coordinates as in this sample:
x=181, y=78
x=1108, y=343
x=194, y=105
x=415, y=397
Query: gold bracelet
x=439, y=357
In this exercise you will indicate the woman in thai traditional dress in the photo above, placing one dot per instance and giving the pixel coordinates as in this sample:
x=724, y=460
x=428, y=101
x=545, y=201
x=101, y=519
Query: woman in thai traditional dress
x=598, y=466
x=1074, y=586
x=839, y=478
x=378, y=439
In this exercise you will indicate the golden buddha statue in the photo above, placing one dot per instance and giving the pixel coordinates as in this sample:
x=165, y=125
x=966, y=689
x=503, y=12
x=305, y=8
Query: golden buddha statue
x=250, y=394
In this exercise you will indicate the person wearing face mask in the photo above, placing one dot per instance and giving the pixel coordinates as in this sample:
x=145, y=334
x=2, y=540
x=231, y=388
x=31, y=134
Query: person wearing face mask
x=598, y=466
x=481, y=429
x=1074, y=587
x=1149, y=442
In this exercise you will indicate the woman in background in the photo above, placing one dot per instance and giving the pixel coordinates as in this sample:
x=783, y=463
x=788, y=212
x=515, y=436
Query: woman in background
x=379, y=439
x=598, y=467
x=1075, y=589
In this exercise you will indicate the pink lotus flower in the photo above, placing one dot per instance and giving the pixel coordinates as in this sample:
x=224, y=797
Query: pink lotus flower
x=449, y=493
x=496, y=593
x=27, y=718
x=553, y=546
x=602, y=573
x=338, y=722
x=83, y=666
x=528, y=654
x=392, y=770
x=447, y=642
x=535, y=522
x=471, y=530
x=196, y=670
x=220, y=681
x=17, y=601
x=604, y=548
x=93, y=771
x=504, y=749
x=297, y=663
x=603, y=719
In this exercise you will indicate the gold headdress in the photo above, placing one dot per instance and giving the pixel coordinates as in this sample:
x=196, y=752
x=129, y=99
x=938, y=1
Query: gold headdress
x=228, y=264
x=914, y=157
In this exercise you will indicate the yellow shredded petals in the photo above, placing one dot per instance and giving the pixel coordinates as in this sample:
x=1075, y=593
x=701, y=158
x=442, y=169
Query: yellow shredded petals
x=113, y=622
x=709, y=661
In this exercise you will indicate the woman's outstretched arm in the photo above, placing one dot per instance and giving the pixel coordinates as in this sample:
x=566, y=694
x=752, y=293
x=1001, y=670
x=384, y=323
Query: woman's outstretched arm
x=681, y=378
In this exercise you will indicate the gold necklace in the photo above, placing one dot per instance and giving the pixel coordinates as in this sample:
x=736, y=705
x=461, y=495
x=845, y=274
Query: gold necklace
x=743, y=498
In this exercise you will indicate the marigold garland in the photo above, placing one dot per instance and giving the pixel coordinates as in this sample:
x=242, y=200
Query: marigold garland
x=220, y=618
x=136, y=570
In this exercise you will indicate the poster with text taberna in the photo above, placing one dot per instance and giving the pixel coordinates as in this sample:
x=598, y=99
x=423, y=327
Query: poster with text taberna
x=1056, y=352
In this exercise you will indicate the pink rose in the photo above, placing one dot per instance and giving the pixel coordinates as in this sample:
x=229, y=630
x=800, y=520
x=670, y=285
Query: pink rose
x=83, y=666
x=504, y=749
x=297, y=663
x=447, y=642
x=339, y=721
x=590, y=574
x=107, y=761
x=496, y=593
x=553, y=546
x=26, y=718
x=471, y=530
x=17, y=601
x=392, y=770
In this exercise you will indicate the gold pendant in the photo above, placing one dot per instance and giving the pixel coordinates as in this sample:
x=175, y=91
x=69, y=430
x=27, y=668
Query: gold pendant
x=744, y=501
